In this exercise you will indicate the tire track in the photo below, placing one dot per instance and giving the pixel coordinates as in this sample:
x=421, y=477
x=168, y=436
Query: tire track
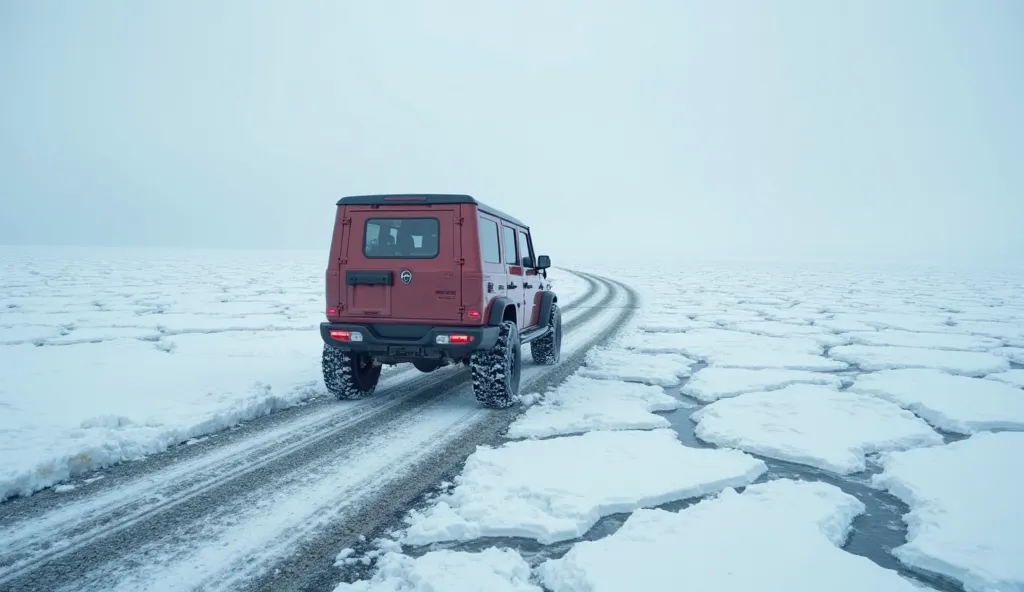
x=311, y=565
x=192, y=492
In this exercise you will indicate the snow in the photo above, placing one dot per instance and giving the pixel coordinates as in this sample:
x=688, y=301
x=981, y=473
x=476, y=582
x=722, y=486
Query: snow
x=965, y=520
x=953, y=403
x=1014, y=377
x=1014, y=354
x=779, y=536
x=812, y=425
x=110, y=354
x=872, y=358
x=582, y=404
x=493, y=570
x=557, y=489
x=943, y=341
x=713, y=383
x=618, y=364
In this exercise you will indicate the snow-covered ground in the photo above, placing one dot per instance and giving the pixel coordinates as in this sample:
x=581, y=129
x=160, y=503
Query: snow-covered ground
x=112, y=354
x=666, y=462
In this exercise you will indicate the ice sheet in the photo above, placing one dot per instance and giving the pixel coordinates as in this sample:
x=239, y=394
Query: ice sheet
x=780, y=536
x=556, y=489
x=952, y=403
x=965, y=519
x=812, y=425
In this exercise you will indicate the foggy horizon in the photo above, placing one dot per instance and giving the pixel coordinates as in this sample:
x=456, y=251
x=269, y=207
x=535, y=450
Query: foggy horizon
x=834, y=131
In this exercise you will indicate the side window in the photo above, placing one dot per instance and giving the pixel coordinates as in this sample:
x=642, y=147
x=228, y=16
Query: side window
x=510, y=246
x=524, y=248
x=489, y=241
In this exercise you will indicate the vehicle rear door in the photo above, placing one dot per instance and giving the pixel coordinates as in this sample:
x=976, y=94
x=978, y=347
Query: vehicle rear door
x=403, y=264
x=514, y=289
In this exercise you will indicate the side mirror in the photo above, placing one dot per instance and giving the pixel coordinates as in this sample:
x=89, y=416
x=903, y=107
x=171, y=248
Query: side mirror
x=528, y=262
x=543, y=262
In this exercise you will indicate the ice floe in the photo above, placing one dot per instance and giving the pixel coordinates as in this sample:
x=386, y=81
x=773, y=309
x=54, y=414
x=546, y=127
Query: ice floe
x=870, y=358
x=779, y=536
x=965, y=519
x=621, y=364
x=491, y=570
x=812, y=425
x=557, y=489
x=582, y=404
x=952, y=403
x=713, y=383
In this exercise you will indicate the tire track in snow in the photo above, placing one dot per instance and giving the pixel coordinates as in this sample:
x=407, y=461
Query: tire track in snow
x=106, y=524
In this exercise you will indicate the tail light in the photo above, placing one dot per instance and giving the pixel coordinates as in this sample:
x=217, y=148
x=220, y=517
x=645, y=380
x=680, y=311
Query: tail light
x=340, y=335
x=332, y=311
x=473, y=315
x=454, y=339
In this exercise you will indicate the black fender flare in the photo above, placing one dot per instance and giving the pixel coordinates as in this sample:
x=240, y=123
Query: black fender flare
x=498, y=307
x=547, y=300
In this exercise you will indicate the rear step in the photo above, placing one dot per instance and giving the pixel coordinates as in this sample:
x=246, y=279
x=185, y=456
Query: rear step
x=532, y=334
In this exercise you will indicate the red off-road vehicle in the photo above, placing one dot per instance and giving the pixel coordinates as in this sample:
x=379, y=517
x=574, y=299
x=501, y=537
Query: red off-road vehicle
x=435, y=280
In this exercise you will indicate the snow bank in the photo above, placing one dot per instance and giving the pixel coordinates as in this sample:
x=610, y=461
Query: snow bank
x=812, y=425
x=72, y=409
x=583, y=404
x=780, y=536
x=952, y=403
x=493, y=570
x=713, y=383
x=943, y=341
x=965, y=519
x=557, y=489
x=619, y=364
x=872, y=358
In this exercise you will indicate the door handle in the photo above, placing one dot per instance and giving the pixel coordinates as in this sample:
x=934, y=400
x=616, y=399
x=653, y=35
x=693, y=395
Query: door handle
x=512, y=286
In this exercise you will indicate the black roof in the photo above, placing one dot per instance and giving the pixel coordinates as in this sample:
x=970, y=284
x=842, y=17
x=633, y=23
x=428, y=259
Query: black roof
x=424, y=199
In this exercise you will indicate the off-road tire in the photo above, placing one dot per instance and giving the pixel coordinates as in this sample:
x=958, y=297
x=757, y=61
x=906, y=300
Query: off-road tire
x=349, y=375
x=496, y=371
x=547, y=350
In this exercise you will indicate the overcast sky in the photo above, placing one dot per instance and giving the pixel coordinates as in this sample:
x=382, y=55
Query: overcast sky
x=736, y=129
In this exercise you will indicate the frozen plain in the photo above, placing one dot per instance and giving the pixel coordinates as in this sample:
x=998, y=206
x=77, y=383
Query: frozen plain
x=870, y=395
x=113, y=355
x=109, y=355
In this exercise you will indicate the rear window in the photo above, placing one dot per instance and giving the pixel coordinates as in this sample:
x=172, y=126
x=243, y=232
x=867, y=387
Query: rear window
x=401, y=238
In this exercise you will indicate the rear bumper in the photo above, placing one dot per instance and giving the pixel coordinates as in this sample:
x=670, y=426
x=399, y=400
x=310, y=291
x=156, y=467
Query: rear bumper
x=421, y=346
